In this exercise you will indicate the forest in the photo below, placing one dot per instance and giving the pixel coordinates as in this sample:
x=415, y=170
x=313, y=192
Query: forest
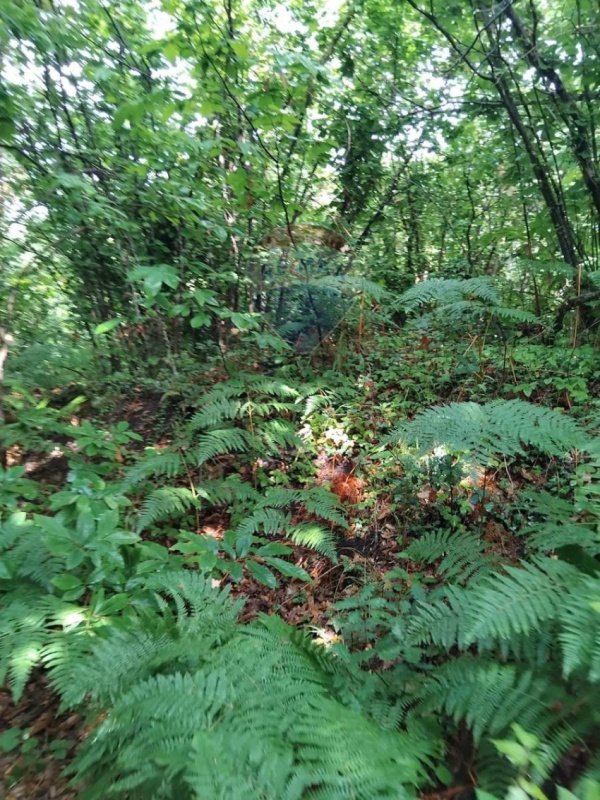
x=299, y=399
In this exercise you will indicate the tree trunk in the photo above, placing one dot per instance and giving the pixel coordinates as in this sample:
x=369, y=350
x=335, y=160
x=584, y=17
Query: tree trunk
x=564, y=102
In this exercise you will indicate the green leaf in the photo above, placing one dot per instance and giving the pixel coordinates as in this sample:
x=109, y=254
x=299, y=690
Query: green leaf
x=105, y=327
x=514, y=751
x=237, y=180
x=274, y=549
x=240, y=48
x=199, y=320
x=528, y=740
x=481, y=794
x=107, y=523
x=234, y=568
x=171, y=52
x=115, y=603
x=66, y=582
x=186, y=548
x=565, y=794
x=262, y=574
x=204, y=297
x=7, y=130
x=210, y=107
x=74, y=558
x=10, y=739
x=130, y=111
x=154, y=277
x=288, y=569
x=5, y=572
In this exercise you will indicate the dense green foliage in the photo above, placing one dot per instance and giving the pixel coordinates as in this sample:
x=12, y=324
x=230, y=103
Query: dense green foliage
x=299, y=379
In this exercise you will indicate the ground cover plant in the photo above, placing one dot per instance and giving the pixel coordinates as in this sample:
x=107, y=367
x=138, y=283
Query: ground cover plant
x=299, y=400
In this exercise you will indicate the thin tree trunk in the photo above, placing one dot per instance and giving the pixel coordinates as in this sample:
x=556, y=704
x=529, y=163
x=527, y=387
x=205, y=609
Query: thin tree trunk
x=564, y=102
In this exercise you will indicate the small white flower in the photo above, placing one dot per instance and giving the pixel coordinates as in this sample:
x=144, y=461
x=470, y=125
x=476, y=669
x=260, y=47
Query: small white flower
x=339, y=437
x=305, y=432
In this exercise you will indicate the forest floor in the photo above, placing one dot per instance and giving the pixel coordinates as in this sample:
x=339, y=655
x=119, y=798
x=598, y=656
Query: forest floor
x=38, y=741
x=35, y=771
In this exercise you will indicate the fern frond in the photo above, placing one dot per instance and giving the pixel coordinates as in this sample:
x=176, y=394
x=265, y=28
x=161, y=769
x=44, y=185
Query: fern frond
x=324, y=504
x=561, y=527
x=253, y=716
x=315, y=537
x=440, y=621
x=488, y=696
x=462, y=554
x=166, y=462
x=278, y=434
x=228, y=491
x=223, y=441
x=214, y=413
x=33, y=627
x=508, y=314
x=281, y=497
x=273, y=387
x=270, y=521
x=519, y=601
x=352, y=284
x=501, y=427
x=482, y=288
x=165, y=502
x=500, y=607
x=23, y=635
x=495, y=773
x=265, y=408
x=449, y=291
x=580, y=629
x=552, y=535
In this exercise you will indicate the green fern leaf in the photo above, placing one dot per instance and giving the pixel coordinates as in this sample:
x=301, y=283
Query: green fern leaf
x=165, y=502
x=501, y=427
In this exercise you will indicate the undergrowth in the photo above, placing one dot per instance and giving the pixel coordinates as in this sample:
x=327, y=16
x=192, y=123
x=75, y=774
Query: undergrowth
x=478, y=633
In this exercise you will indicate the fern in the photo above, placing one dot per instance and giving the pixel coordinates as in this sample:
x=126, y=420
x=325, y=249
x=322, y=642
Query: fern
x=562, y=525
x=352, y=284
x=488, y=696
x=215, y=412
x=228, y=491
x=269, y=518
x=279, y=434
x=507, y=314
x=461, y=554
x=324, y=504
x=448, y=291
x=580, y=634
x=270, y=521
x=495, y=774
x=316, y=538
x=522, y=633
x=452, y=299
x=439, y=621
x=221, y=442
x=214, y=709
x=502, y=427
x=166, y=462
x=165, y=502
x=520, y=601
x=497, y=607
x=39, y=628
x=23, y=636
